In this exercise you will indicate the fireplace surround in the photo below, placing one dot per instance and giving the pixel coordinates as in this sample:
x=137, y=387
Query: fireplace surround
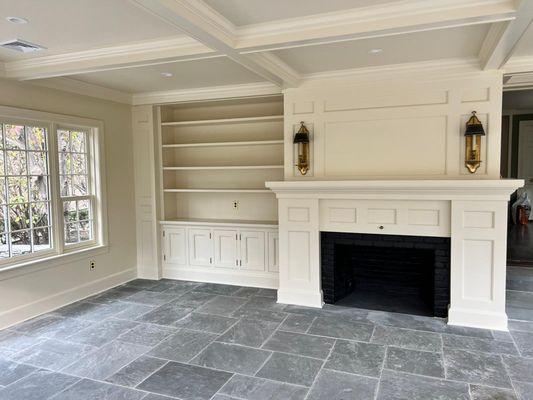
x=409, y=274
x=472, y=213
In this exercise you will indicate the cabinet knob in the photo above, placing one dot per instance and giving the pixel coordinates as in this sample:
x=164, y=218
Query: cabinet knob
x=380, y=227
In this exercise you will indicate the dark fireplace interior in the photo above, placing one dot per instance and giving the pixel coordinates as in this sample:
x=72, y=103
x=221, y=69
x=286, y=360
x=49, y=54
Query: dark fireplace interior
x=407, y=274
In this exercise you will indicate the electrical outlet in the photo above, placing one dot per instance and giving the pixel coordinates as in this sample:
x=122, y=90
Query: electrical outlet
x=92, y=265
x=235, y=205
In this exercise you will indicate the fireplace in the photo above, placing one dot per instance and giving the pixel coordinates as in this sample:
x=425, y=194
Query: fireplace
x=398, y=273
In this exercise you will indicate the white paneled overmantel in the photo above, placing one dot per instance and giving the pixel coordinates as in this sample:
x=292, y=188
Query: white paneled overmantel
x=473, y=213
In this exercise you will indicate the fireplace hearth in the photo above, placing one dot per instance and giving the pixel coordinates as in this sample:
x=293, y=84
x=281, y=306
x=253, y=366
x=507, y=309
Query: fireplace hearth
x=408, y=274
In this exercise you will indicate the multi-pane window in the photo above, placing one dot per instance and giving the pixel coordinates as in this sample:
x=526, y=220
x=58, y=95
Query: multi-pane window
x=74, y=185
x=49, y=189
x=25, y=199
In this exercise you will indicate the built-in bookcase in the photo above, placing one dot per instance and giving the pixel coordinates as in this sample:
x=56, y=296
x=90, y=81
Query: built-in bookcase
x=218, y=153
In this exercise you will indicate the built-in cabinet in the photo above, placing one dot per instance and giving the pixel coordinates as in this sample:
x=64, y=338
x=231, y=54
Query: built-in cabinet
x=233, y=253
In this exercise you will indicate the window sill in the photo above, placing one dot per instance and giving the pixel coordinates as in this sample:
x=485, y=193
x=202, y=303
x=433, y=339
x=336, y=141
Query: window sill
x=35, y=265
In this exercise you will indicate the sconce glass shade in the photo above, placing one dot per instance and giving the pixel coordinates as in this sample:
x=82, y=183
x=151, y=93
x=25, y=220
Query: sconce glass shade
x=302, y=136
x=474, y=126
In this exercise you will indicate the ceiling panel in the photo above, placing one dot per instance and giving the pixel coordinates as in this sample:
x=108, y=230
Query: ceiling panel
x=185, y=75
x=71, y=25
x=413, y=47
x=525, y=46
x=246, y=12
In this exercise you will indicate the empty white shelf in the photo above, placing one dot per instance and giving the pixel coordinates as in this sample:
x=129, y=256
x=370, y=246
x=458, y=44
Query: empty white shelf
x=224, y=121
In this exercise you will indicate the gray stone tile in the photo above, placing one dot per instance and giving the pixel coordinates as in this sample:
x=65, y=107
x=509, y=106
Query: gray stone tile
x=333, y=385
x=407, y=321
x=34, y=326
x=297, y=323
x=232, y=358
x=136, y=371
x=216, y=288
x=141, y=283
x=247, y=387
x=291, y=369
x=152, y=396
x=261, y=314
x=524, y=390
x=249, y=332
x=165, y=315
x=113, y=295
x=342, y=329
x=37, y=386
x=524, y=326
x=192, y=299
x=87, y=311
x=206, y=322
x=162, y=286
x=268, y=293
x=524, y=341
x=415, y=362
x=11, y=371
x=133, y=311
x=183, y=345
x=520, y=299
x=489, y=393
x=299, y=343
x=308, y=311
x=477, y=368
x=247, y=292
x=398, y=386
x=53, y=354
x=267, y=303
x=408, y=339
x=502, y=336
x=186, y=382
x=356, y=358
x=15, y=341
x=222, y=305
x=107, y=360
x=63, y=328
x=151, y=298
x=475, y=344
x=520, y=369
x=147, y=334
x=103, y=332
x=467, y=331
x=91, y=390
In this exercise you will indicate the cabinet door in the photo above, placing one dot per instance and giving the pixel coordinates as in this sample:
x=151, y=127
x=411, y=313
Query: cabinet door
x=175, y=248
x=200, y=247
x=273, y=251
x=225, y=248
x=253, y=250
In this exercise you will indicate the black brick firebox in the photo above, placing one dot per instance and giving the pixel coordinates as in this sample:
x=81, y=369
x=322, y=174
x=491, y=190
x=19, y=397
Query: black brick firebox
x=409, y=274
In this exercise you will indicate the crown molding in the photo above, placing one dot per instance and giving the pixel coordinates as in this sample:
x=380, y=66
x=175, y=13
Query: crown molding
x=207, y=93
x=518, y=65
x=274, y=64
x=85, y=89
x=108, y=58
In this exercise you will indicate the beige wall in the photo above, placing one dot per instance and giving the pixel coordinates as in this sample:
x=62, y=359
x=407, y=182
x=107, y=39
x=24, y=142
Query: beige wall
x=31, y=290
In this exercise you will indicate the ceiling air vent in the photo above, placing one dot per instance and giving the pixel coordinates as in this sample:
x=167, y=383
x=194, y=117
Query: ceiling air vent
x=21, y=46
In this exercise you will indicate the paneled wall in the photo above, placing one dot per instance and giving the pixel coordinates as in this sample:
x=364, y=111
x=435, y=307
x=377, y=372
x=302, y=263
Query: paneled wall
x=407, y=126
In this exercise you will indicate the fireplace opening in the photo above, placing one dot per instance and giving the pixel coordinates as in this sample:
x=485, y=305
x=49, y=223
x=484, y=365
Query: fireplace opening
x=407, y=274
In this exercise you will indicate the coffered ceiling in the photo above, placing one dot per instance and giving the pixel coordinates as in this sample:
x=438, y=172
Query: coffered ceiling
x=135, y=47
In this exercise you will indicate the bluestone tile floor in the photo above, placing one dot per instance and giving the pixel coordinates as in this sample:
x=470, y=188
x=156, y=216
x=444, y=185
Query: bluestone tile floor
x=182, y=340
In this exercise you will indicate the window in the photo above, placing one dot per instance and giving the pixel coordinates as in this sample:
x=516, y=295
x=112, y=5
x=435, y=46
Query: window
x=50, y=188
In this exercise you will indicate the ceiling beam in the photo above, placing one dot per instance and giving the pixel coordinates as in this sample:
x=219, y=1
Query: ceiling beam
x=210, y=28
x=503, y=38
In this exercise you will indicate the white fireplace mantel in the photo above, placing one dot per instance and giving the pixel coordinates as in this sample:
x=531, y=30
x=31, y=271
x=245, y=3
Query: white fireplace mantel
x=473, y=213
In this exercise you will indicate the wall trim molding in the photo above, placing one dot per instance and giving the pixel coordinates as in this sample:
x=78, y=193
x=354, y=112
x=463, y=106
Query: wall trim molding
x=52, y=302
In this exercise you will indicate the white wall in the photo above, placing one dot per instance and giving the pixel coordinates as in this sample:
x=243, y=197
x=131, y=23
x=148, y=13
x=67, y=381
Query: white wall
x=395, y=125
x=32, y=290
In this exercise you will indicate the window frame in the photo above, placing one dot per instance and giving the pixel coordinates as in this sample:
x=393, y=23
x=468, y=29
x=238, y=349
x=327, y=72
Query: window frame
x=96, y=171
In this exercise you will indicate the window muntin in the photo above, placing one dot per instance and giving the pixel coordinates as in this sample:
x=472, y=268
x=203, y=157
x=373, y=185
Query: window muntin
x=25, y=197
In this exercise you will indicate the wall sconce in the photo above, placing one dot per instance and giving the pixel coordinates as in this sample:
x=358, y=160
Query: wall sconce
x=301, y=139
x=474, y=131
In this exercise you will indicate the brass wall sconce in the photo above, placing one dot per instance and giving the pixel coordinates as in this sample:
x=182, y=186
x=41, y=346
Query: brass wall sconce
x=301, y=139
x=474, y=131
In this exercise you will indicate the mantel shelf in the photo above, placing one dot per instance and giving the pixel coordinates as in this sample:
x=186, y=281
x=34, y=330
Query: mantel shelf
x=218, y=191
x=219, y=144
x=224, y=121
x=223, y=167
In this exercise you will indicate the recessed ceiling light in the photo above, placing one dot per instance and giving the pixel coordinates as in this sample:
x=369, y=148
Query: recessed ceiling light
x=167, y=74
x=17, y=20
x=375, y=51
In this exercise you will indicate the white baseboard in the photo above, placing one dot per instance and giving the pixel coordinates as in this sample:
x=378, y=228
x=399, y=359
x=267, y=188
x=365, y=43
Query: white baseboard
x=477, y=319
x=307, y=299
x=240, y=278
x=50, y=303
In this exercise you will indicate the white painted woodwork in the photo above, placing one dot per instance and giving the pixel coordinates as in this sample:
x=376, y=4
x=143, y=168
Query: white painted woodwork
x=200, y=246
x=472, y=212
x=144, y=145
x=394, y=124
x=231, y=252
x=252, y=250
x=226, y=248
